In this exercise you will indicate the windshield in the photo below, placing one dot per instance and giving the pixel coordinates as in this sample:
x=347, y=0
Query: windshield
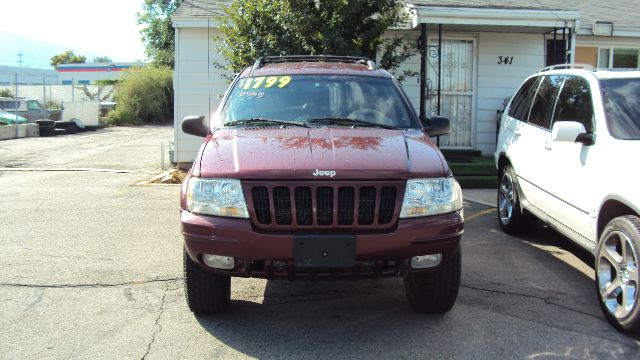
x=621, y=98
x=316, y=100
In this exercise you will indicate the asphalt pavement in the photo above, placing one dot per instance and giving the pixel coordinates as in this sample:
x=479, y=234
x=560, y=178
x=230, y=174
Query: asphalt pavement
x=92, y=268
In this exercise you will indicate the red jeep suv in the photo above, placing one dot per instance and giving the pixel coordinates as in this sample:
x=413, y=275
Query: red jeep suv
x=317, y=167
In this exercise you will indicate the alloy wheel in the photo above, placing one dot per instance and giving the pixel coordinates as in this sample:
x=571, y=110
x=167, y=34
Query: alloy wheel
x=506, y=200
x=617, y=266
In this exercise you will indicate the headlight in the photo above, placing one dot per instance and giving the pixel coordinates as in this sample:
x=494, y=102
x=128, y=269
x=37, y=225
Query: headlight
x=424, y=197
x=221, y=197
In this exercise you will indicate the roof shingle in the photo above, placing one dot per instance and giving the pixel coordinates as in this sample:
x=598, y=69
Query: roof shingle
x=622, y=13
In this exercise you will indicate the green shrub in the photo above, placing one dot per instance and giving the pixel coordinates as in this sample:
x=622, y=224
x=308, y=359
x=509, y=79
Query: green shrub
x=143, y=95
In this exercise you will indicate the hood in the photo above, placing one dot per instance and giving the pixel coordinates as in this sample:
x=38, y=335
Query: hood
x=320, y=153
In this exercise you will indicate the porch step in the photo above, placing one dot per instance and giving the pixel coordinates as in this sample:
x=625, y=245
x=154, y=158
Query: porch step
x=463, y=153
x=472, y=166
x=472, y=170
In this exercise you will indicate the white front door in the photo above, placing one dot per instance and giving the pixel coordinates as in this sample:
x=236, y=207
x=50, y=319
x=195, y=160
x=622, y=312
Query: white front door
x=456, y=91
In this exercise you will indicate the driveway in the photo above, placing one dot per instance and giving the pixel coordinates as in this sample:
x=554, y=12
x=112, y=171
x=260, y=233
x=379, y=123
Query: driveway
x=91, y=268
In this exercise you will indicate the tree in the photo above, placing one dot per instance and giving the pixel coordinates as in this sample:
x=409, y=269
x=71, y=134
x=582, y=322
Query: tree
x=158, y=34
x=102, y=59
x=257, y=28
x=67, y=57
x=144, y=95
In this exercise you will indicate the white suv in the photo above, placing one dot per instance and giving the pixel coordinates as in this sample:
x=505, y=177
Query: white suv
x=567, y=155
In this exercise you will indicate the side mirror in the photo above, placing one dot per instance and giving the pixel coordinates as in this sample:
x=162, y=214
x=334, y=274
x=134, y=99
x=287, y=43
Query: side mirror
x=437, y=125
x=194, y=125
x=571, y=131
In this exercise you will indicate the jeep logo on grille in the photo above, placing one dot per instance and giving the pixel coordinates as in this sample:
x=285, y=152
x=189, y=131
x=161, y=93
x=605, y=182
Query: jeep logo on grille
x=329, y=173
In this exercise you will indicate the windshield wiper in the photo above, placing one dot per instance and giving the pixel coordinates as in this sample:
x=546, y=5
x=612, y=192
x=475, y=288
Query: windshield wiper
x=265, y=121
x=349, y=122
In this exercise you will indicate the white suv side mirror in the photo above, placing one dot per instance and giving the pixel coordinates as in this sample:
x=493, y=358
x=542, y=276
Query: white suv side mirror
x=571, y=131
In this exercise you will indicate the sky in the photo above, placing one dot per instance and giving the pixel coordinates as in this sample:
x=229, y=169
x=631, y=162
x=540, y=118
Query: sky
x=41, y=29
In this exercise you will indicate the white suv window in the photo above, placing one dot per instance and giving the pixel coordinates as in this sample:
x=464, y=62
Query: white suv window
x=621, y=98
x=519, y=108
x=575, y=103
x=543, y=101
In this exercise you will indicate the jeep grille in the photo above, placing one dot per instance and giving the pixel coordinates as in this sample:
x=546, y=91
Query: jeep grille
x=318, y=204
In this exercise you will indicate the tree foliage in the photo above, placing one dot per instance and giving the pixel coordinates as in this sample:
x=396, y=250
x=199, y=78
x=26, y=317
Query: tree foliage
x=67, y=57
x=255, y=28
x=102, y=59
x=158, y=34
x=143, y=95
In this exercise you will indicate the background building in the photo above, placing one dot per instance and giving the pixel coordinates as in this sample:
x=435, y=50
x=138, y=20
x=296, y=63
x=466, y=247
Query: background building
x=88, y=73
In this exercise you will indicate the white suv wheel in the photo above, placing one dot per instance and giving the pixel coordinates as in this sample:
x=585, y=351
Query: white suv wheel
x=505, y=198
x=617, y=277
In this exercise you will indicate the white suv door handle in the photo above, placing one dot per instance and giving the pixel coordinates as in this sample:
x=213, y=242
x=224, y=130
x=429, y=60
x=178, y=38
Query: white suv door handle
x=547, y=145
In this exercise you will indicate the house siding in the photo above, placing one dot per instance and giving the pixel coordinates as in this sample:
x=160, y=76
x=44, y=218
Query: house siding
x=498, y=81
x=192, y=87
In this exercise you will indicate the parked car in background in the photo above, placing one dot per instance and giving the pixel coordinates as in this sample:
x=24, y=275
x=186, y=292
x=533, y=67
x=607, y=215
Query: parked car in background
x=318, y=168
x=10, y=119
x=566, y=155
x=28, y=108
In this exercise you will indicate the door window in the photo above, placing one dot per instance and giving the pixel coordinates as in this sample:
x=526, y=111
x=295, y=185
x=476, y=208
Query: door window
x=574, y=103
x=521, y=102
x=33, y=105
x=543, y=101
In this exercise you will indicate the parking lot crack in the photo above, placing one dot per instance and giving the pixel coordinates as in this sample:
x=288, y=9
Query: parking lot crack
x=547, y=300
x=157, y=325
x=90, y=285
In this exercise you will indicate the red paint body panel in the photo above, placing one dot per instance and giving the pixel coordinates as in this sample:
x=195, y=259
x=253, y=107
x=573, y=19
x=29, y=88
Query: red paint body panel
x=238, y=238
x=295, y=153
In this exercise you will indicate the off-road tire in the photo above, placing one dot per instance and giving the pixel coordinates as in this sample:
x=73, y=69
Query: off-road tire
x=435, y=291
x=206, y=293
x=628, y=226
x=511, y=217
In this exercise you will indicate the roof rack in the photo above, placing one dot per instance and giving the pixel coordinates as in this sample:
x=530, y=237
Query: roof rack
x=568, y=66
x=313, y=58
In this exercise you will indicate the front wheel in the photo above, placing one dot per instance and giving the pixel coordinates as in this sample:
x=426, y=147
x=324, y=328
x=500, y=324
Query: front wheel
x=435, y=291
x=512, y=219
x=617, y=278
x=205, y=292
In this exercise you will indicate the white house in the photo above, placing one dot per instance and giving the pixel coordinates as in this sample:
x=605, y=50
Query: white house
x=476, y=54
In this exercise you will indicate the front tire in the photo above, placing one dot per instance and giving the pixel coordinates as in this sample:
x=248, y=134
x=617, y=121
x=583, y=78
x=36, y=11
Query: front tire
x=206, y=293
x=511, y=217
x=435, y=291
x=617, y=279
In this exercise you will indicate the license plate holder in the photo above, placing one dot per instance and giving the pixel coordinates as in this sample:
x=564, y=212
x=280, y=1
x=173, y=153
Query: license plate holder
x=324, y=251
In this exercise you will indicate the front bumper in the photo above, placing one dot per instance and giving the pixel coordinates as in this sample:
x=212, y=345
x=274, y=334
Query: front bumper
x=270, y=255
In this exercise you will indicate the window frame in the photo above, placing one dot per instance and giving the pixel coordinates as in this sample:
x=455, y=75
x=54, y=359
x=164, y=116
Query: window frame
x=612, y=50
